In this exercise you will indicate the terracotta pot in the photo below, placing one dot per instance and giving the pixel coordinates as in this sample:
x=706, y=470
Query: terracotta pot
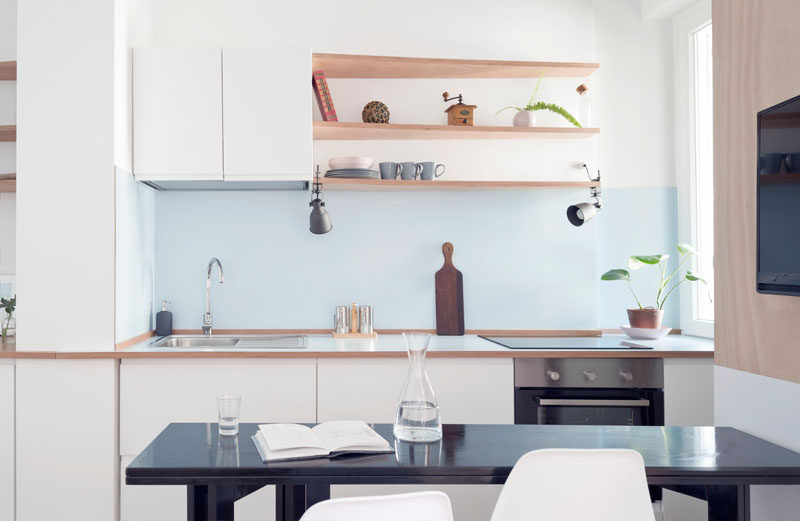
x=645, y=318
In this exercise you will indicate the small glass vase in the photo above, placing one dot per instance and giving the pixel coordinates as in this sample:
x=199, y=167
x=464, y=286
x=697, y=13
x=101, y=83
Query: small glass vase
x=417, y=417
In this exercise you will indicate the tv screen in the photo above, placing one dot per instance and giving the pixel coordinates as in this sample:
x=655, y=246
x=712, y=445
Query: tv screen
x=778, y=204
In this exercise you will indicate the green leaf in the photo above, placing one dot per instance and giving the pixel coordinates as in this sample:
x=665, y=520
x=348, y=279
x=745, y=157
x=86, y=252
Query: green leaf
x=694, y=278
x=617, y=274
x=637, y=261
x=519, y=109
x=686, y=249
x=552, y=107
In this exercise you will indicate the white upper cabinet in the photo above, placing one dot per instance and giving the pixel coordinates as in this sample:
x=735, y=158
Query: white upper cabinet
x=177, y=113
x=193, y=106
x=267, y=113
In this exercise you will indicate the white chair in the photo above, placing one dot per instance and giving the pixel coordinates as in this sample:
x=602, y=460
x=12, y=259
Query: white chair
x=418, y=506
x=574, y=484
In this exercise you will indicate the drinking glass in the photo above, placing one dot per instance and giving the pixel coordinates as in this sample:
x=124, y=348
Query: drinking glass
x=417, y=416
x=228, y=405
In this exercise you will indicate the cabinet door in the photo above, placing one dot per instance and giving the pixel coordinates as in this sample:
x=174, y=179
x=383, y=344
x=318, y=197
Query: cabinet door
x=267, y=113
x=177, y=113
x=7, y=439
x=469, y=391
x=154, y=393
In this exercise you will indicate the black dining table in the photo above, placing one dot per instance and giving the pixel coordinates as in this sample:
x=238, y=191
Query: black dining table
x=716, y=464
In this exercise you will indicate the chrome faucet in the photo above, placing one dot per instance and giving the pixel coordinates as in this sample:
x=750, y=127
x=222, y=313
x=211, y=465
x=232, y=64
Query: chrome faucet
x=207, y=316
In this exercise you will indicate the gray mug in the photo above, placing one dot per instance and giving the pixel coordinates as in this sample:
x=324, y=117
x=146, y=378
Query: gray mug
x=430, y=169
x=409, y=171
x=389, y=170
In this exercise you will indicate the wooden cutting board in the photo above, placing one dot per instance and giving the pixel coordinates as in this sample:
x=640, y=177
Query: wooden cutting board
x=449, y=296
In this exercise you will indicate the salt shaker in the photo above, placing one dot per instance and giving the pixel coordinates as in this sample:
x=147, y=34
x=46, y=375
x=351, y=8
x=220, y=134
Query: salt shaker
x=365, y=325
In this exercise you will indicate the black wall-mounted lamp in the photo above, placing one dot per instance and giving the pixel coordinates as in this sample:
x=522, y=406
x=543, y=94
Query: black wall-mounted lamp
x=577, y=214
x=319, y=221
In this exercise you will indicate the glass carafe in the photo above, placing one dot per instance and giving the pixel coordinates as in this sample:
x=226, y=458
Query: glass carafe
x=417, y=417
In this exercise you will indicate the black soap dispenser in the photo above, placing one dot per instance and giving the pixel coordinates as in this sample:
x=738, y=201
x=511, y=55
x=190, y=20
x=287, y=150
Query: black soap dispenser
x=164, y=320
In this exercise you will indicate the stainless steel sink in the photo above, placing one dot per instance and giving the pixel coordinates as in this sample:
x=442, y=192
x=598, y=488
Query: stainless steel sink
x=237, y=341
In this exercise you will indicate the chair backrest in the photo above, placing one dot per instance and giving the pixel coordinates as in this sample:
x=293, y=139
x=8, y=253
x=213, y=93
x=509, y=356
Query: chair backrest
x=573, y=484
x=418, y=506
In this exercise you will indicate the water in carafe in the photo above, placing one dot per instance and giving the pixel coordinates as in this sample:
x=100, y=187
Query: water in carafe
x=417, y=417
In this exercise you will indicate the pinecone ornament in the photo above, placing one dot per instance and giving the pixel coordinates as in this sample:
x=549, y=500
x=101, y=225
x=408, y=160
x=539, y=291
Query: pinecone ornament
x=375, y=112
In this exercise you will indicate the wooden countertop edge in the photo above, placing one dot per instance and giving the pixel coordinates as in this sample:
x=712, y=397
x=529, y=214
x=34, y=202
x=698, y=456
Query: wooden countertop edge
x=559, y=353
x=29, y=354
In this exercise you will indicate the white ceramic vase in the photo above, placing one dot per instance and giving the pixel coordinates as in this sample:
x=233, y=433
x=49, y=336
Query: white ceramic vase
x=524, y=118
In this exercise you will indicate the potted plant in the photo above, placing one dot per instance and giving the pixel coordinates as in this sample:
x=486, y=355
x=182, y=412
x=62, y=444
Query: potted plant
x=525, y=116
x=650, y=317
x=8, y=306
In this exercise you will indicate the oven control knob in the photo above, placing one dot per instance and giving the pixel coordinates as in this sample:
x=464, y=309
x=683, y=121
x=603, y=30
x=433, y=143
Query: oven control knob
x=553, y=375
x=626, y=375
x=590, y=376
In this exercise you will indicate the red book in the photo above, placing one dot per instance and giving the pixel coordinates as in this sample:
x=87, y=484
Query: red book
x=324, y=98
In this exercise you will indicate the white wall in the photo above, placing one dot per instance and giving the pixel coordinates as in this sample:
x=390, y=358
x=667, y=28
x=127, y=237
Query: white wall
x=635, y=147
x=65, y=187
x=8, y=156
x=765, y=407
x=133, y=26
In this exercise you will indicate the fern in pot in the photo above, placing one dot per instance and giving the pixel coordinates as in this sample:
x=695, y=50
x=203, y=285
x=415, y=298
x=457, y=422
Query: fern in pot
x=650, y=317
x=526, y=117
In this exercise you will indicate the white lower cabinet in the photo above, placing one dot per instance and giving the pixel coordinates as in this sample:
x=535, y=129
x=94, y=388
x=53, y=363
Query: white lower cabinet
x=688, y=400
x=7, y=439
x=154, y=393
x=468, y=390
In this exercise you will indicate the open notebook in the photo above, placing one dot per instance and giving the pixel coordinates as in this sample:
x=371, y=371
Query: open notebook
x=290, y=441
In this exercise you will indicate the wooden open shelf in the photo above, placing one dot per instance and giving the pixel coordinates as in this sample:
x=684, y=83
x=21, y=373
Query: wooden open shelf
x=779, y=179
x=781, y=120
x=336, y=184
x=8, y=183
x=8, y=71
x=363, y=66
x=8, y=132
x=326, y=130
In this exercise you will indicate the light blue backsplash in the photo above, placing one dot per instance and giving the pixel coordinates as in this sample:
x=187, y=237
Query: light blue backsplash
x=524, y=265
x=635, y=221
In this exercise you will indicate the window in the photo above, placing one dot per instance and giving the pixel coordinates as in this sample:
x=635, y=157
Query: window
x=694, y=160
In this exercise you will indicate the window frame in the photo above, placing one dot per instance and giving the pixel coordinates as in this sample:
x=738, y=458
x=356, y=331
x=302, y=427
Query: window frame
x=685, y=25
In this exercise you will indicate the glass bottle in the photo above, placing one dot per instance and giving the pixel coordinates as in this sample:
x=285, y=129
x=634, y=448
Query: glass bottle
x=417, y=417
x=584, y=109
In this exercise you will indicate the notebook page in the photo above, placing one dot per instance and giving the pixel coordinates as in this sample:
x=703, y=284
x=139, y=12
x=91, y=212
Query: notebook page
x=339, y=435
x=284, y=436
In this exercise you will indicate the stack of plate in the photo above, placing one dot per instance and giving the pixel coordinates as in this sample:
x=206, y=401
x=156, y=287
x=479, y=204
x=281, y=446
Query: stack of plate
x=351, y=162
x=353, y=173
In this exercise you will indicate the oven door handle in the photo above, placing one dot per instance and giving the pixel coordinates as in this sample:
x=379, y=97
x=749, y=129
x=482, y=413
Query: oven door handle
x=567, y=402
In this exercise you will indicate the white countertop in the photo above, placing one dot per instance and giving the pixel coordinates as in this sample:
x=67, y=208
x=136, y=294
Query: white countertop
x=451, y=346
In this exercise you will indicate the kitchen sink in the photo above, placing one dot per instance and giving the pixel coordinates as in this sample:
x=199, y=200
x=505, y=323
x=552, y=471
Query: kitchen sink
x=237, y=341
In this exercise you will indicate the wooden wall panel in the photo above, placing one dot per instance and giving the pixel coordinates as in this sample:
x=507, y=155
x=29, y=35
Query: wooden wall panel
x=756, y=65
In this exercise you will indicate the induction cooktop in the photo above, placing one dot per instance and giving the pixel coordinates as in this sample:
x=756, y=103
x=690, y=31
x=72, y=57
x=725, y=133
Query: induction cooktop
x=597, y=342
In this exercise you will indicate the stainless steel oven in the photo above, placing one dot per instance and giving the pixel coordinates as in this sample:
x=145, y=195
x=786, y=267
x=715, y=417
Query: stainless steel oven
x=589, y=391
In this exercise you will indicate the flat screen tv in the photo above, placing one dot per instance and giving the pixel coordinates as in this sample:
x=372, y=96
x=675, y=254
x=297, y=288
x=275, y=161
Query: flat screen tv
x=778, y=199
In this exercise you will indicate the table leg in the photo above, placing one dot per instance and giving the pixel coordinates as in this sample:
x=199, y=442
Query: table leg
x=316, y=492
x=291, y=501
x=213, y=502
x=728, y=502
